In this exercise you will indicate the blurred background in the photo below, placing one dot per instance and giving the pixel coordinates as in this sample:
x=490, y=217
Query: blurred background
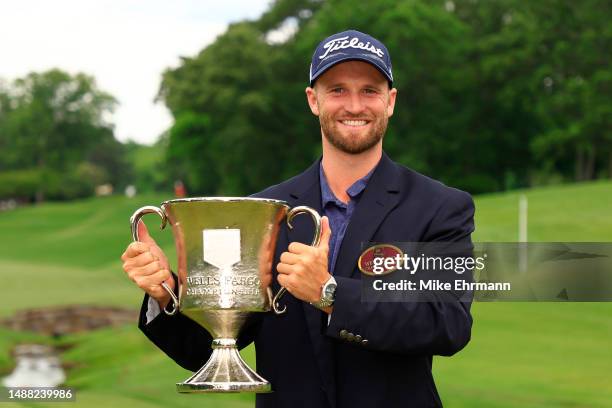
x=111, y=105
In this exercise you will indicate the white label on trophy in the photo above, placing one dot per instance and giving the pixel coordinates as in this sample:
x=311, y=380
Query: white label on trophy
x=221, y=247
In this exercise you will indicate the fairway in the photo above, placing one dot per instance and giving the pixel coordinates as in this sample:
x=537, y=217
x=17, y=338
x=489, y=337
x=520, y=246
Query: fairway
x=521, y=354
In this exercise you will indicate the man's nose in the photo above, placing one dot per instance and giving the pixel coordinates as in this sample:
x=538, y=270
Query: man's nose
x=354, y=104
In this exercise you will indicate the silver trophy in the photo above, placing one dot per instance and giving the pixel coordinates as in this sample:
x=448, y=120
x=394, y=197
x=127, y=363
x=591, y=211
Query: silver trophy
x=225, y=248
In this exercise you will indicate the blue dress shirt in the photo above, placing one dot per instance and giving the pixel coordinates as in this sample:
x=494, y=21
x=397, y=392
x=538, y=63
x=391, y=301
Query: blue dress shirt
x=339, y=213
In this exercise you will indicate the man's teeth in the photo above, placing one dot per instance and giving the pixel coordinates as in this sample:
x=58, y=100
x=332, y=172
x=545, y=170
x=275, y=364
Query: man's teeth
x=354, y=122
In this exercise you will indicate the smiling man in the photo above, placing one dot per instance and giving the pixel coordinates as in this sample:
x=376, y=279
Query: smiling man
x=331, y=349
x=354, y=103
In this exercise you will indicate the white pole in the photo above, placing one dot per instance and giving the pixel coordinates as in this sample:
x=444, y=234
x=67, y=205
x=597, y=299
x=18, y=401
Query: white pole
x=522, y=232
x=522, y=218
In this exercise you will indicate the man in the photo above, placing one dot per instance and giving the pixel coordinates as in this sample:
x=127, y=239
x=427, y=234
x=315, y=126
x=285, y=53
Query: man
x=331, y=349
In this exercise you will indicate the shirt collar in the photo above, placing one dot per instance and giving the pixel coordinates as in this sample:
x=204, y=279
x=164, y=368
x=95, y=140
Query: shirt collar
x=327, y=195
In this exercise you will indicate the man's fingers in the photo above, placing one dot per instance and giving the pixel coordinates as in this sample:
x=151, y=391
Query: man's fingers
x=289, y=258
x=161, y=276
x=134, y=249
x=143, y=259
x=152, y=283
x=146, y=270
x=298, y=248
x=325, y=233
x=285, y=282
x=283, y=268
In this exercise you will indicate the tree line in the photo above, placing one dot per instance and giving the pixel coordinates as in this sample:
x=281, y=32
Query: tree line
x=493, y=95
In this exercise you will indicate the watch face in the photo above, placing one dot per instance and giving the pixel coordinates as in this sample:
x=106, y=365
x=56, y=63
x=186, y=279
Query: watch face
x=330, y=290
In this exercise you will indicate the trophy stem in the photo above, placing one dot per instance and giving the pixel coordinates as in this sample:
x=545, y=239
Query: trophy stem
x=225, y=371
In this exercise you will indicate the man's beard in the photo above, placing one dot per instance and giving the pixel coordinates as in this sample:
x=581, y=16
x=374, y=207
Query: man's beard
x=348, y=144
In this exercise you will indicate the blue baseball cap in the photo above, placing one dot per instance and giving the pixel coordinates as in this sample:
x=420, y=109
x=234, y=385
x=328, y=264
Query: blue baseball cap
x=350, y=45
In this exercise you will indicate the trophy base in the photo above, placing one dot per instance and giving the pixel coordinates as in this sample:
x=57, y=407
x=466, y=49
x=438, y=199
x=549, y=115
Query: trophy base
x=225, y=371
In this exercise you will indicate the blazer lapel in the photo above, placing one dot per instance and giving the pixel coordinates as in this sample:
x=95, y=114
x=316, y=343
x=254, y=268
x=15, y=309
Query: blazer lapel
x=310, y=194
x=380, y=196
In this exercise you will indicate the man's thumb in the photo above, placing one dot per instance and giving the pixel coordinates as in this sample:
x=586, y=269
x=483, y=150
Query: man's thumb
x=143, y=233
x=325, y=232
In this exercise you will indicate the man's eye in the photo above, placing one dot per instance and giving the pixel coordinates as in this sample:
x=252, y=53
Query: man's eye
x=337, y=90
x=369, y=91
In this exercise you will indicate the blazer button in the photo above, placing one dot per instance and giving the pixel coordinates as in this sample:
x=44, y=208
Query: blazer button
x=364, y=342
x=358, y=338
x=350, y=337
x=343, y=333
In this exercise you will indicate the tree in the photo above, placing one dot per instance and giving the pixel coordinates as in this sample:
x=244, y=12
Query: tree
x=53, y=123
x=575, y=87
x=226, y=85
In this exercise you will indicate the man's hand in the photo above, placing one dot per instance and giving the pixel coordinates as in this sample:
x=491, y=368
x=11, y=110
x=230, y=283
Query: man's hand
x=303, y=269
x=146, y=264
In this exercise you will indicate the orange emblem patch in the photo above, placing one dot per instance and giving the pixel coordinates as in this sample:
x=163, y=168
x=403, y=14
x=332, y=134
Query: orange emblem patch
x=369, y=263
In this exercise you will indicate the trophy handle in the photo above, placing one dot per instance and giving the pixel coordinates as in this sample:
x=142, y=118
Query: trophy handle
x=302, y=209
x=134, y=220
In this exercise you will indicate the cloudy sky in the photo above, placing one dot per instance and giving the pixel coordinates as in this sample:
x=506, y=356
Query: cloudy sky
x=124, y=44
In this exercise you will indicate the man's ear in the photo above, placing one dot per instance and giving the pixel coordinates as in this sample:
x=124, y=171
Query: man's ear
x=391, y=105
x=311, y=97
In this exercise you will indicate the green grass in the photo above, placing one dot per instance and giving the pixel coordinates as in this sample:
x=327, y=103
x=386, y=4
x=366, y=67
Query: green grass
x=569, y=213
x=521, y=354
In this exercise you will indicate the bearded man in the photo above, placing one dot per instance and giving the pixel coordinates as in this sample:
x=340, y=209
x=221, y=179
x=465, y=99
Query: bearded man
x=331, y=349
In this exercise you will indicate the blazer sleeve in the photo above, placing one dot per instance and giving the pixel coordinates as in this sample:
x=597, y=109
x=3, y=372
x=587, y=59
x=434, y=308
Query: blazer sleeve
x=184, y=340
x=440, y=326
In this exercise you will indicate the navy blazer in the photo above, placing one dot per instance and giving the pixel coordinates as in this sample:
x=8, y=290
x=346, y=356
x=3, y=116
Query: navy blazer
x=307, y=361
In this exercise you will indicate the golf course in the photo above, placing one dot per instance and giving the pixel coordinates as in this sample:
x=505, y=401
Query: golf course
x=521, y=354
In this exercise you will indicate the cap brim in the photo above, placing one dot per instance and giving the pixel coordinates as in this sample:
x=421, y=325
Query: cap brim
x=336, y=61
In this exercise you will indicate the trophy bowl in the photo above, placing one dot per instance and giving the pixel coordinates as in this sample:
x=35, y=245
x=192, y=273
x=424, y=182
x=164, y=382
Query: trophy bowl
x=225, y=248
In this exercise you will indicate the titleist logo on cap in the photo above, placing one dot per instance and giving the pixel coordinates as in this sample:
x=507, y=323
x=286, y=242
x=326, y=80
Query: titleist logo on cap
x=350, y=45
x=343, y=42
